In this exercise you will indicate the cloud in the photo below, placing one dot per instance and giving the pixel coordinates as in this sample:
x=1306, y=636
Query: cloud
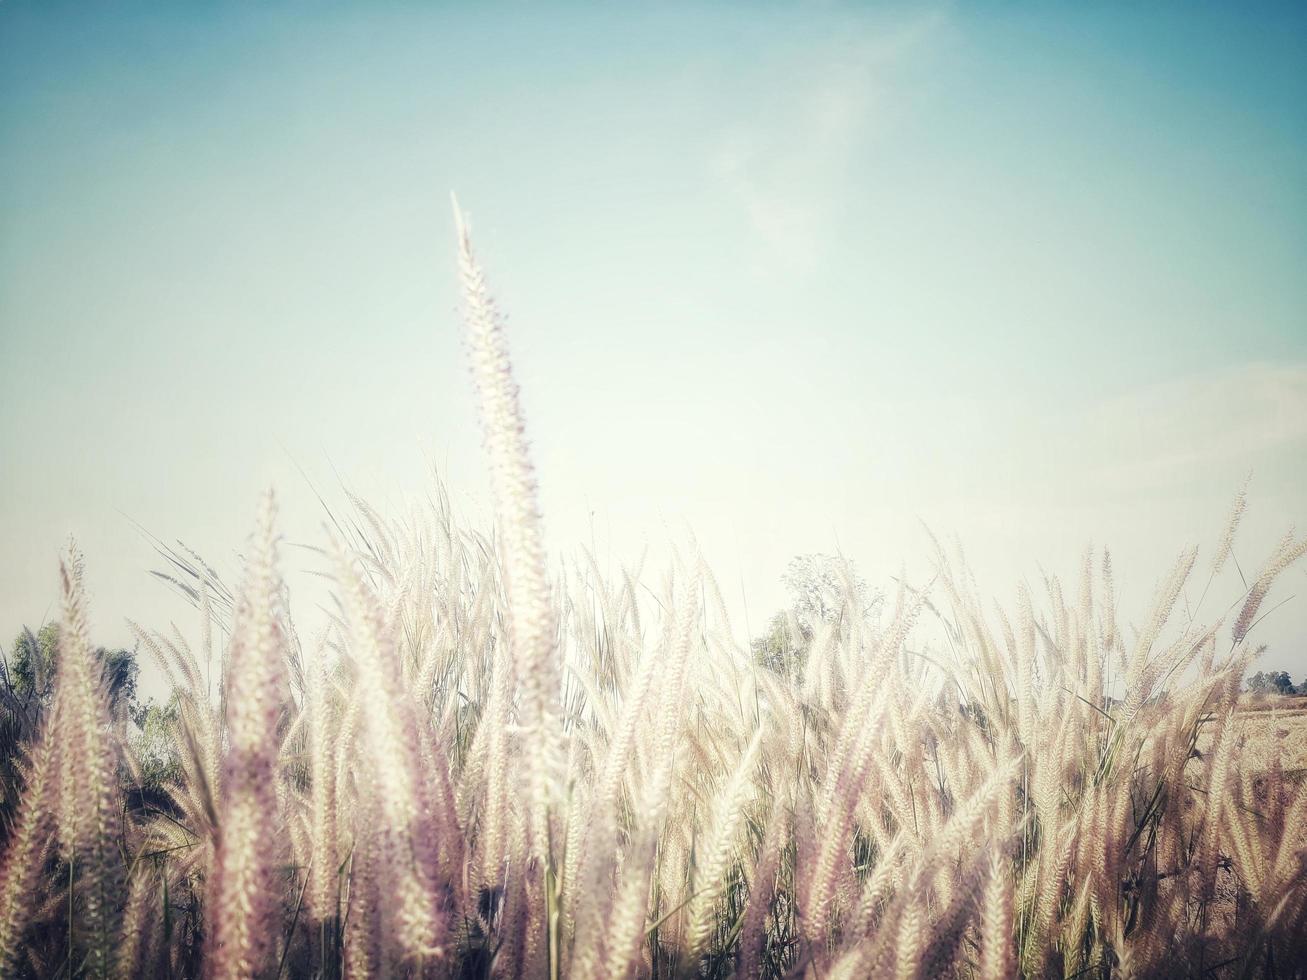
x=1174, y=430
x=785, y=172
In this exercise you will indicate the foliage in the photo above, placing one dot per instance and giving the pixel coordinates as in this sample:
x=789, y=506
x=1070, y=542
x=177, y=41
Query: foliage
x=824, y=587
x=781, y=649
x=823, y=591
x=1274, y=682
x=27, y=684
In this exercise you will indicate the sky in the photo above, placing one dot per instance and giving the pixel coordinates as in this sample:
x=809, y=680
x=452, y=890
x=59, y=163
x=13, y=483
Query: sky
x=796, y=278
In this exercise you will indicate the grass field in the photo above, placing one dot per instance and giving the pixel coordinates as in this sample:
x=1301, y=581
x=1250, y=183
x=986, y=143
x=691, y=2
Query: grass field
x=1276, y=728
x=492, y=765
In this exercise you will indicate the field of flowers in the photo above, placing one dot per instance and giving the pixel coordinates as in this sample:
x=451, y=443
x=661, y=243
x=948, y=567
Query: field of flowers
x=487, y=767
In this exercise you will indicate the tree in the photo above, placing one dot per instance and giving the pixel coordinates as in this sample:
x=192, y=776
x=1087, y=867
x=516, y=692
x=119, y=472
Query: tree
x=822, y=588
x=27, y=684
x=156, y=763
x=27, y=679
x=783, y=647
x=1271, y=682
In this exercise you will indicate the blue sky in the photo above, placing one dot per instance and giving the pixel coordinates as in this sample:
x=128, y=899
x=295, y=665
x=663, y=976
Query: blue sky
x=796, y=276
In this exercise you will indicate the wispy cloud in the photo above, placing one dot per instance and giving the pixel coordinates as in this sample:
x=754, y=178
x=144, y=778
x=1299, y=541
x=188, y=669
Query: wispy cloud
x=1175, y=429
x=778, y=170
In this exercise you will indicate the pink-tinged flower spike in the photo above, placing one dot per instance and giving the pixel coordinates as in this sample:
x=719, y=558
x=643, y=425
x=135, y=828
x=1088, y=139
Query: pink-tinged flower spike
x=533, y=625
x=89, y=816
x=324, y=891
x=244, y=911
x=416, y=913
x=21, y=872
x=997, y=952
x=361, y=925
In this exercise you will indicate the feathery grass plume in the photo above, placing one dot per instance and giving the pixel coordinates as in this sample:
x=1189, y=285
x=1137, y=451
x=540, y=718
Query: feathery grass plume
x=1024, y=654
x=1285, y=555
x=492, y=744
x=362, y=941
x=718, y=849
x=324, y=889
x=533, y=625
x=244, y=909
x=913, y=931
x=1226, y=544
x=1109, y=633
x=843, y=791
x=570, y=871
x=997, y=959
x=20, y=874
x=442, y=804
x=626, y=917
x=138, y=924
x=90, y=815
x=954, y=916
x=348, y=791
x=590, y=944
x=603, y=802
x=1218, y=787
x=417, y=910
x=1163, y=604
x=762, y=889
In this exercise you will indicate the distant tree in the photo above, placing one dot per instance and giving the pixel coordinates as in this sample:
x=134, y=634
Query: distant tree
x=822, y=588
x=781, y=648
x=156, y=764
x=30, y=665
x=27, y=679
x=1271, y=682
x=29, y=673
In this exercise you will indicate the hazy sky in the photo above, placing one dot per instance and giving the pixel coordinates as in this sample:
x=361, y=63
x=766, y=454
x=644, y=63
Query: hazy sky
x=798, y=277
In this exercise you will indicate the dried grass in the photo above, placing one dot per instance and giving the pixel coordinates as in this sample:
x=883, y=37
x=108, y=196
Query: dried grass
x=482, y=772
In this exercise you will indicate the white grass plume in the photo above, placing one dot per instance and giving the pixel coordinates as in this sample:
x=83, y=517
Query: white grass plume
x=533, y=624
